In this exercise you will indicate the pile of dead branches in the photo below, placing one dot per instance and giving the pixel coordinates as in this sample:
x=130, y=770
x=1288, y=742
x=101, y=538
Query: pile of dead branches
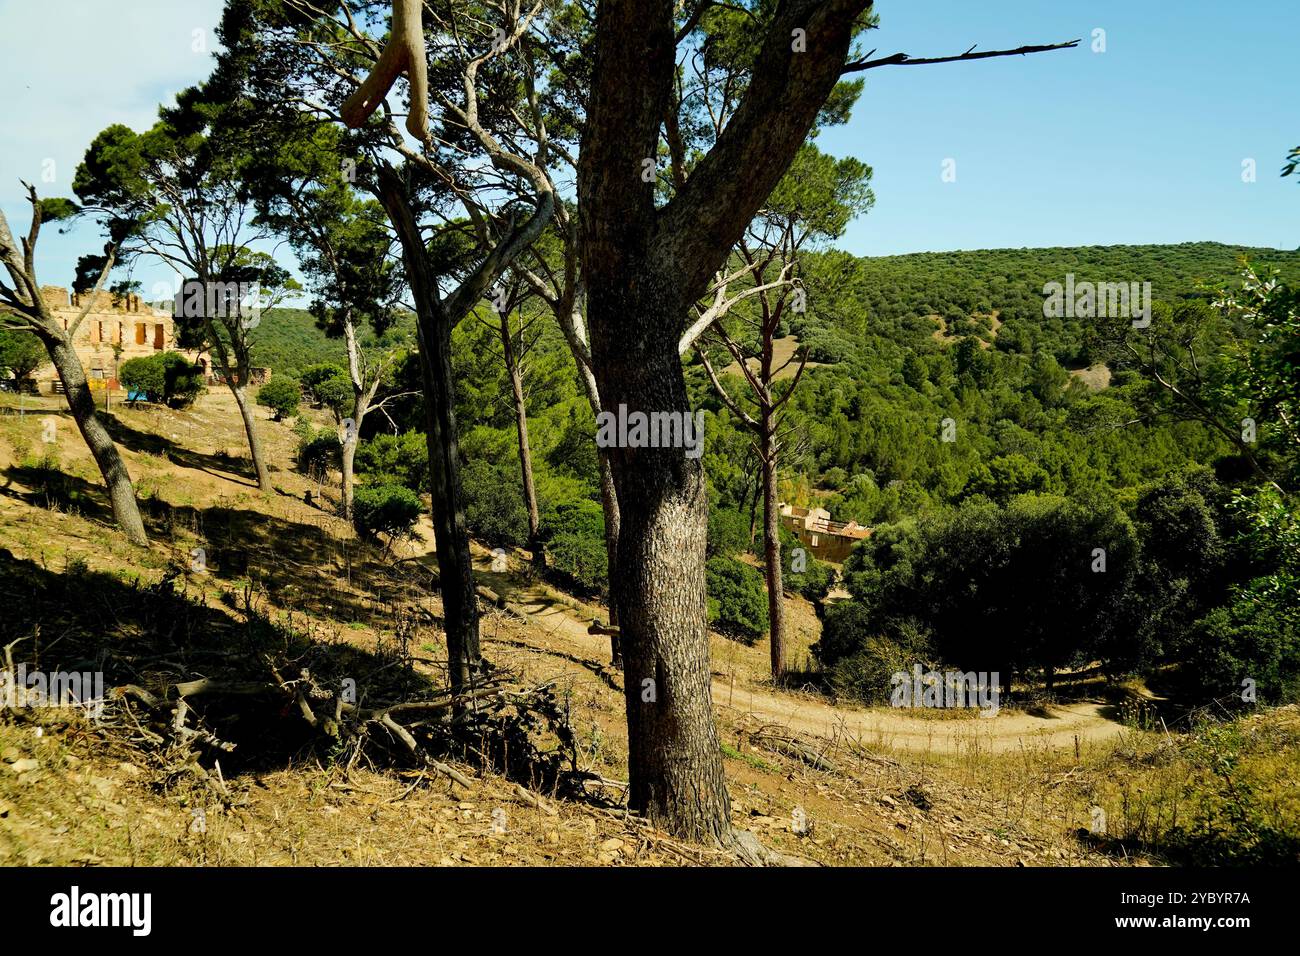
x=210, y=693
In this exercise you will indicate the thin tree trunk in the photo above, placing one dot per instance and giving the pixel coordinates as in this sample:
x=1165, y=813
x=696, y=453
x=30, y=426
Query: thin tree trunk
x=772, y=551
x=525, y=455
x=360, y=406
x=608, y=490
x=250, y=430
x=609, y=505
x=451, y=536
x=117, y=480
x=236, y=379
x=347, y=455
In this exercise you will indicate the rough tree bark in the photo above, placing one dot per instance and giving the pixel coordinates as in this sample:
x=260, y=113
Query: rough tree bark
x=644, y=267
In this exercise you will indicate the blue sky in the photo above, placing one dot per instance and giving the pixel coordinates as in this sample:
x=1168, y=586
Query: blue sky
x=1141, y=143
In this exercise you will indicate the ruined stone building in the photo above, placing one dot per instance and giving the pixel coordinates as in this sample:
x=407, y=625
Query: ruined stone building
x=117, y=328
x=827, y=540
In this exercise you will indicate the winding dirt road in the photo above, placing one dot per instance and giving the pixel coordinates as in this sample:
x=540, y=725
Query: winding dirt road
x=1081, y=723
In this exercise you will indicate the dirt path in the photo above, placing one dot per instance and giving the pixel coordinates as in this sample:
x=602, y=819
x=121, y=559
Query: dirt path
x=566, y=631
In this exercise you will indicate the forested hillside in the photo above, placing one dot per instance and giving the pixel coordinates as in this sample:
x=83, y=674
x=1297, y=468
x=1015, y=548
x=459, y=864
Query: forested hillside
x=1041, y=467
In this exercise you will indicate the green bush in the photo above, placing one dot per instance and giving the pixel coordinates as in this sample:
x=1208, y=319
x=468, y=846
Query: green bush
x=390, y=509
x=335, y=393
x=313, y=375
x=737, y=599
x=144, y=375
x=867, y=674
x=21, y=353
x=728, y=532
x=164, y=377
x=281, y=395
x=816, y=578
x=319, y=451
x=403, y=459
x=859, y=661
x=574, y=537
x=183, y=380
x=494, y=503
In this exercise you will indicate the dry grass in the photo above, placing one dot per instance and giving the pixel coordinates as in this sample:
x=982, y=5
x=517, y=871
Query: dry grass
x=93, y=800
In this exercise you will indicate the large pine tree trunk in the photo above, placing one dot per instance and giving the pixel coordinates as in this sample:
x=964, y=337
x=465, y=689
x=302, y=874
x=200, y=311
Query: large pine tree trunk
x=674, y=758
x=81, y=403
x=772, y=551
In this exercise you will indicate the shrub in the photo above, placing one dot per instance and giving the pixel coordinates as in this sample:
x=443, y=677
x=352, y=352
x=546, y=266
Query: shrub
x=816, y=578
x=402, y=458
x=728, y=532
x=21, y=353
x=313, y=375
x=319, y=451
x=390, y=509
x=494, y=504
x=182, y=380
x=574, y=537
x=335, y=393
x=163, y=377
x=867, y=674
x=281, y=395
x=737, y=599
x=144, y=376
x=860, y=662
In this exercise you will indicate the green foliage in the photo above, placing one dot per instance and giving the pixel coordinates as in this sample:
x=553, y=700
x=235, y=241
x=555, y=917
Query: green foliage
x=281, y=395
x=737, y=599
x=395, y=459
x=319, y=451
x=494, y=506
x=728, y=532
x=866, y=675
x=143, y=375
x=335, y=393
x=387, y=509
x=1016, y=587
x=163, y=377
x=183, y=381
x=574, y=537
x=816, y=578
x=21, y=353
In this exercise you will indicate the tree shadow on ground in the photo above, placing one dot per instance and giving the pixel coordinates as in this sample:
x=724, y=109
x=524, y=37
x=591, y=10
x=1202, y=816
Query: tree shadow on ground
x=295, y=564
x=155, y=636
x=238, y=470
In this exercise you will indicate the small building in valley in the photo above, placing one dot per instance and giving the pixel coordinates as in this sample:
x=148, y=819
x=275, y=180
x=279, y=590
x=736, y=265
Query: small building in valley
x=827, y=540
